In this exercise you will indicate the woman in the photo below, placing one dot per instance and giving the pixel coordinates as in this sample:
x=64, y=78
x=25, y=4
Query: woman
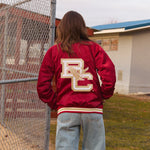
x=75, y=61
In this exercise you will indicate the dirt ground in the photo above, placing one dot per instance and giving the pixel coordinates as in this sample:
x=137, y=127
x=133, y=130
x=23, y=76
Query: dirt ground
x=20, y=135
x=142, y=97
x=28, y=134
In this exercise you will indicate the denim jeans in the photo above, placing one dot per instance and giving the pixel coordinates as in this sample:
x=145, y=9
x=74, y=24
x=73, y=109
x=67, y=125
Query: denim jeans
x=68, y=131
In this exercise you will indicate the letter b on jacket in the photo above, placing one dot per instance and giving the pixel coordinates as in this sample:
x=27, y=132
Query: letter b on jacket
x=74, y=69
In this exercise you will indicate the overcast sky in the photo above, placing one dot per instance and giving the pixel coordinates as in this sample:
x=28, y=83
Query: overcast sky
x=97, y=12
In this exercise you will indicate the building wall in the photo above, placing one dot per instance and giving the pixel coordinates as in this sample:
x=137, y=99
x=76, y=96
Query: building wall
x=140, y=71
x=122, y=60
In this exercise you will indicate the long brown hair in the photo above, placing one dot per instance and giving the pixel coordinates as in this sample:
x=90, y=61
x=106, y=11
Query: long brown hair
x=72, y=29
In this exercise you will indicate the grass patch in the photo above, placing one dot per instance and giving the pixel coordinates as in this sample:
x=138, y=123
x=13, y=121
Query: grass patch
x=53, y=133
x=127, y=124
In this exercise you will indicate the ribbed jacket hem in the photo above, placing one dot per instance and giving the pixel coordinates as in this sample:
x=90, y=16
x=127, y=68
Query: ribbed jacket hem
x=79, y=110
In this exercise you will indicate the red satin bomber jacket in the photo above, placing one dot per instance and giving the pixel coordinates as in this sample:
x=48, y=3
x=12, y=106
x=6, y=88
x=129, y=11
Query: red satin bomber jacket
x=77, y=83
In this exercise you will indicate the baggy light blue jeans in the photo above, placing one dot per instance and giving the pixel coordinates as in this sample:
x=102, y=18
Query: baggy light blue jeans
x=68, y=131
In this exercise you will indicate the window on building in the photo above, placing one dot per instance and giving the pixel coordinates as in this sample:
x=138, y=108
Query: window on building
x=109, y=44
x=11, y=42
x=1, y=35
x=11, y=39
x=99, y=42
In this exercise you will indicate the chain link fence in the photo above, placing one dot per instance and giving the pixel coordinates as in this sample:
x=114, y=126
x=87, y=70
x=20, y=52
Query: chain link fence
x=25, y=36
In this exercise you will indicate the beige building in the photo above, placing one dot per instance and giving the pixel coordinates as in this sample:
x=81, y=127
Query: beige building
x=128, y=45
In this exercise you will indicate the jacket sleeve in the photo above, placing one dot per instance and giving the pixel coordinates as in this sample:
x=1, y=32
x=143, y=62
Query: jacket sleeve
x=106, y=71
x=44, y=87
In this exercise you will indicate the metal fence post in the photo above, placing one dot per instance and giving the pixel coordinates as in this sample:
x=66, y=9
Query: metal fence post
x=3, y=70
x=51, y=42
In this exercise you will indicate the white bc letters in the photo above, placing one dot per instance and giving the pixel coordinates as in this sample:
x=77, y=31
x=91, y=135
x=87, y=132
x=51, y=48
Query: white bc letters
x=74, y=69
